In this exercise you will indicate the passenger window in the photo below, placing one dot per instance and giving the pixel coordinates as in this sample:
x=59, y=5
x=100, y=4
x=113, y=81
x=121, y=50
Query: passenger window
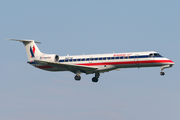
x=61, y=61
x=87, y=59
x=83, y=59
x=95, y=58
x=66, y=60
x=91, y=58
x=100, y=58
x=117, y=57
x=104, y=58
x=78, y=59
x=112, y=58
x=74, y=60
x=70, y=60
x=109, y=58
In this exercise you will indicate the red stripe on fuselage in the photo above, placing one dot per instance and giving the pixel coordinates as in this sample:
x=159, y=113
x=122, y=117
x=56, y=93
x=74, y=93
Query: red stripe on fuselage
x=126, y=62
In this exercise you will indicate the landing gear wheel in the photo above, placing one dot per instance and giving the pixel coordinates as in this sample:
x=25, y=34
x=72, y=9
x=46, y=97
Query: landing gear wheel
x=162, y=73
x=94, y=79
x=78, y=78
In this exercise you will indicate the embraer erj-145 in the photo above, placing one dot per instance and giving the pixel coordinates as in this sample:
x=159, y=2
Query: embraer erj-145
x=90, y=64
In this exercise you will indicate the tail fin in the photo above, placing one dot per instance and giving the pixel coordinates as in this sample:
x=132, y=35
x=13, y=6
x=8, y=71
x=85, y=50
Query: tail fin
x=31, y=49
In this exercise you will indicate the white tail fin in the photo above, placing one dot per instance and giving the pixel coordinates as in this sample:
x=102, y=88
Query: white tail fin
x=31, y=49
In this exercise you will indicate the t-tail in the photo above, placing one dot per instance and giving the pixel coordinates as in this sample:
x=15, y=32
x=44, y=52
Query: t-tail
x=31, y=48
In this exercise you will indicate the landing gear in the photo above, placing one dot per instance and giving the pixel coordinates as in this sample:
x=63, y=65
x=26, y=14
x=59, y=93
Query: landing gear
x=95, y=79
x=78, y=78
x=162, y=73
x=163, y=67
x=78, y=75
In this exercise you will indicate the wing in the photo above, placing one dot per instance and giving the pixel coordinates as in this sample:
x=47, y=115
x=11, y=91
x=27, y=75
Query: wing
x=71, y=67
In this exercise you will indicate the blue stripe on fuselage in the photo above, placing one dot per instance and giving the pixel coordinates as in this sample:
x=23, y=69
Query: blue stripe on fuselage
x=121, y=57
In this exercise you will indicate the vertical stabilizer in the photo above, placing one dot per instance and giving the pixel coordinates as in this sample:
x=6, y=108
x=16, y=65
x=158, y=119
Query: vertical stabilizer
x=31, y=48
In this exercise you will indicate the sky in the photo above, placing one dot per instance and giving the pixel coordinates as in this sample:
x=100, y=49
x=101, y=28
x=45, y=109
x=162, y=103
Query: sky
x=89, y=27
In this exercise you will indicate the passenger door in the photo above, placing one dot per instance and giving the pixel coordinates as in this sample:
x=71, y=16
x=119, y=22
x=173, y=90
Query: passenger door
x=90, y=59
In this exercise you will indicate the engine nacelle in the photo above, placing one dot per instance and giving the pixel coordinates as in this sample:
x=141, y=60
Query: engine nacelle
x=49, y=58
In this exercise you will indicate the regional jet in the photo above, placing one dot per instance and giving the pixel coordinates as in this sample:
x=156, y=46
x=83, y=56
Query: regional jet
x=95, y=63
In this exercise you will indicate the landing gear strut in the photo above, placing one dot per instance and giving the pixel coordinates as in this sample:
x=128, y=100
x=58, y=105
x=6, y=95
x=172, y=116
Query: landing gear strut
x=95, y=79
x=162, y=73
x=163, y=67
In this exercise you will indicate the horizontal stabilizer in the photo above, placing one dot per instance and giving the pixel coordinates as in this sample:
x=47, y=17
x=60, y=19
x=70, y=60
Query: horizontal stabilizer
x=24, y=40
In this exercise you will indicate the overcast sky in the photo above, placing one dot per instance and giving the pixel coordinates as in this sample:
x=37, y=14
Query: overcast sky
x=89, y=27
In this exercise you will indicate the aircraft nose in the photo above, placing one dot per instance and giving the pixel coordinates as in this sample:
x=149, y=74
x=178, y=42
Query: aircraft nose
x=171, y=62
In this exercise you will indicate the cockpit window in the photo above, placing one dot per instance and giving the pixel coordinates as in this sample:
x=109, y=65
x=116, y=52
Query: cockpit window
x=157, y=55
x=151, y=55
x=154, y=55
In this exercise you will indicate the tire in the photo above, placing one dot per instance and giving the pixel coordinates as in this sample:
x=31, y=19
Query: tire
x=94, y=79
x=78, y=78
x=162, y=73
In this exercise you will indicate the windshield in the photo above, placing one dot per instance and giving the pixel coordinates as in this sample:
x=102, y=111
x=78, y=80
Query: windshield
x=157, y=55
x=154, y=55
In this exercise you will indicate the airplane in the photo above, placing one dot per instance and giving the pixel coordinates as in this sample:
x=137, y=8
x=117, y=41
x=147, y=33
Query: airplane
x=93, y=64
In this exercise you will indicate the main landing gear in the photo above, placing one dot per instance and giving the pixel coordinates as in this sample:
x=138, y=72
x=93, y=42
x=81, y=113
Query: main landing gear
x=94, y=79
x=77, y=77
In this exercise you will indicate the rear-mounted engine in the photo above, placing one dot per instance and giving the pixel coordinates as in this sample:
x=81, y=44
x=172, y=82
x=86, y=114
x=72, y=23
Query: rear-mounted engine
x=56, y=58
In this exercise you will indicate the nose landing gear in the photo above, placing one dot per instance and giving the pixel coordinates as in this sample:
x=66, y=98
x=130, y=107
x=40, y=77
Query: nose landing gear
x=162, y=73
x=163, y=67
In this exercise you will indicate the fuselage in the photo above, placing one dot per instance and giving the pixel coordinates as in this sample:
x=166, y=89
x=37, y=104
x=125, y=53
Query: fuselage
x=107, y=62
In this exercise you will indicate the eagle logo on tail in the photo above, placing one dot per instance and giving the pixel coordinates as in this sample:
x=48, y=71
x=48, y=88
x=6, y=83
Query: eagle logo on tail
x=32, y=50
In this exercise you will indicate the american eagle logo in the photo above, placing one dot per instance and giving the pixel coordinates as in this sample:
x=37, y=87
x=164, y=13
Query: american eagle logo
x=32, y=50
